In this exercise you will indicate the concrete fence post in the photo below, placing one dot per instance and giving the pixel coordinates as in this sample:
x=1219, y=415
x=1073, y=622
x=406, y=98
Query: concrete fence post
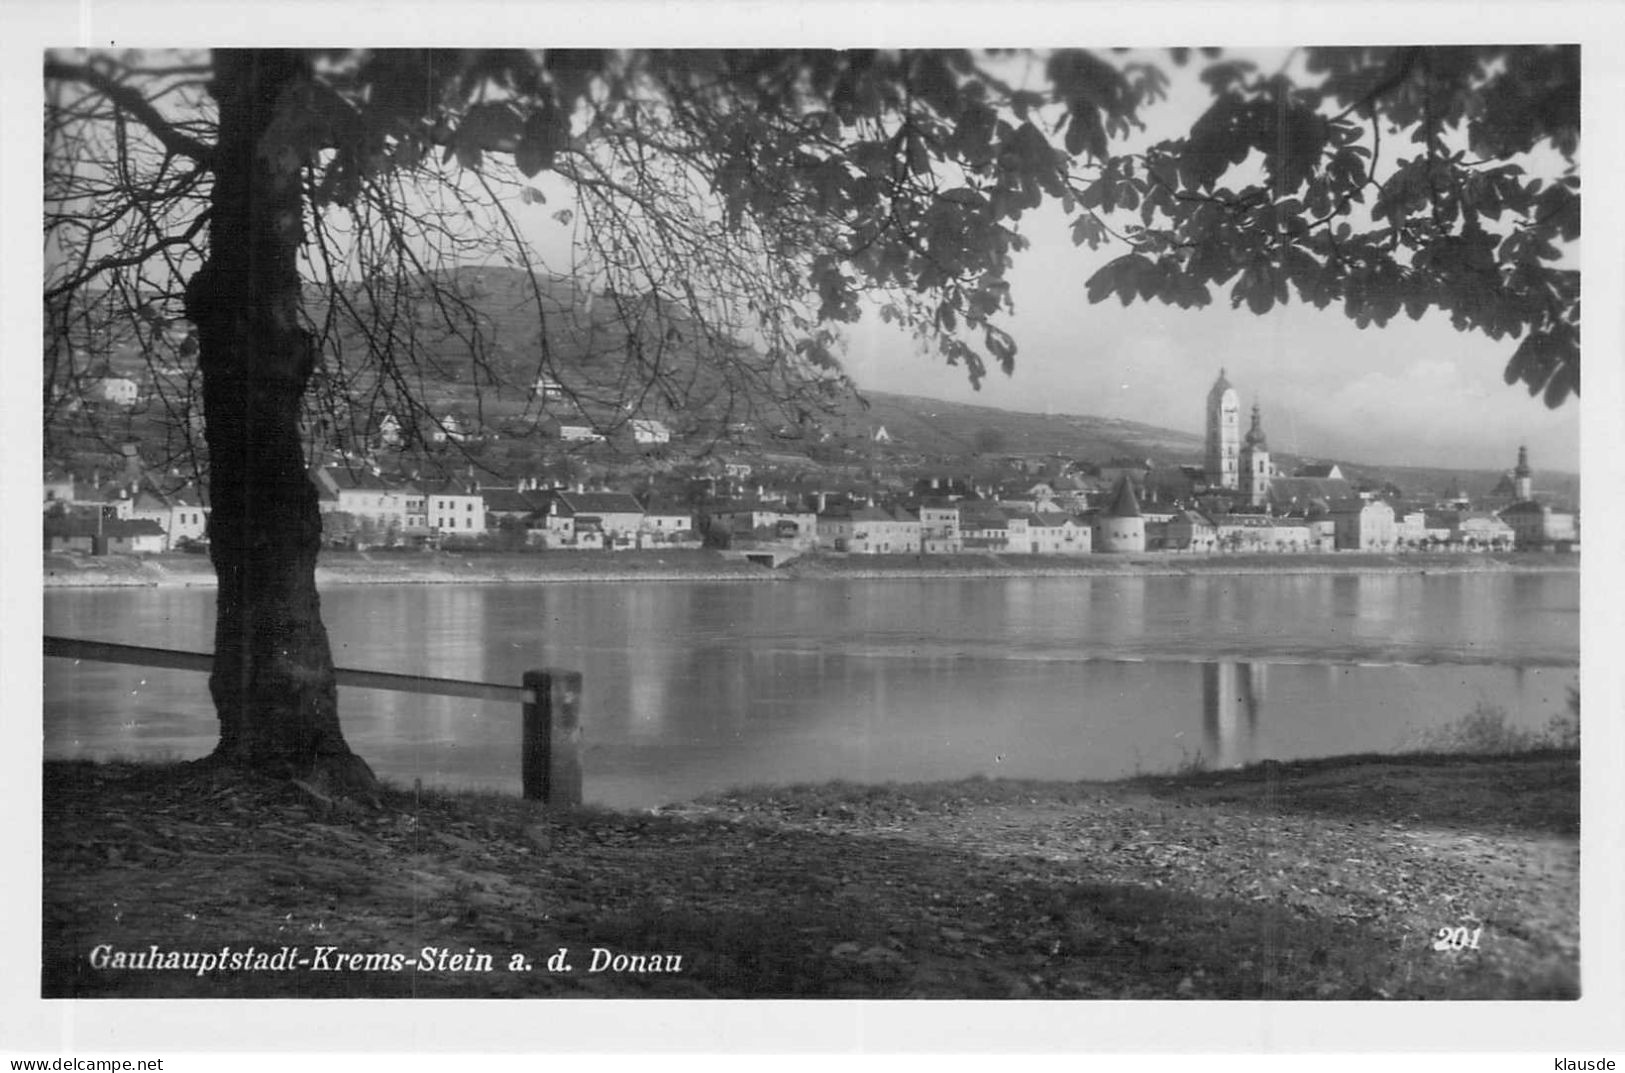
x=550, y=759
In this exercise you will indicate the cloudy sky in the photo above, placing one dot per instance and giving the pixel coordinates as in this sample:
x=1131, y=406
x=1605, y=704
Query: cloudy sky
x=1411, y=393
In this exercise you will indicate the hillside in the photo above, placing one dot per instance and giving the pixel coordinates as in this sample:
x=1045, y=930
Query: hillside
x=936, y=428
x=943, y=430
x=608, y=354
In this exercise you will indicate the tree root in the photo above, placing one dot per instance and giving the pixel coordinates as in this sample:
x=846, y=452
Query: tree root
x=333, y=781
x=343, y=777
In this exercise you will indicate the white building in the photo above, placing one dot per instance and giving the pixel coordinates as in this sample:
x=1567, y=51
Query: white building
x=574, y=432
x=115, y=391
x=1054, y=533
x=939, y=529
x=453, y=508
x=666, y=525
x=377, y=508
x=649, y=431
x=1363, y=526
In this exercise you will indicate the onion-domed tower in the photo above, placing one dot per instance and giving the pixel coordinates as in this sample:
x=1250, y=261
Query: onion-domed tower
x=1522, y=479
x=1223, y=435
x=1255, y=463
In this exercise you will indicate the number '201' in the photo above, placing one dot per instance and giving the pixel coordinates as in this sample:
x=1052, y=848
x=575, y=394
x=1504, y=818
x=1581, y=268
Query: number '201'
x=1457, y=938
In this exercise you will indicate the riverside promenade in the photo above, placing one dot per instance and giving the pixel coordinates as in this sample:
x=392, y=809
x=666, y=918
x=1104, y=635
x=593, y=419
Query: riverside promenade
x=68, y=570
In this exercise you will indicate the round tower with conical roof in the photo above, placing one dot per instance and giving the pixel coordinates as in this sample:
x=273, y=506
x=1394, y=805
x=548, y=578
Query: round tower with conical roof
x=1255, y=463
x=1121, y=526
x=1223, y=435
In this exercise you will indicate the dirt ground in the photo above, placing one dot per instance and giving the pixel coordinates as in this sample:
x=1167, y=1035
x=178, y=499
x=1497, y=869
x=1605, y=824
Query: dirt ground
x=1328, y=879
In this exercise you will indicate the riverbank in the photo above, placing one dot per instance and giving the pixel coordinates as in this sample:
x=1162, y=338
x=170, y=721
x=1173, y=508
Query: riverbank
x=176, y=570
x=1317, y=879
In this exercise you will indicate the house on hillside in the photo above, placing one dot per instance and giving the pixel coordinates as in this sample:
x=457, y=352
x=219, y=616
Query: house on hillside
x=113, y=390
x=648, y=431
x=386, y=432
x=571, y=430
x=451, y=427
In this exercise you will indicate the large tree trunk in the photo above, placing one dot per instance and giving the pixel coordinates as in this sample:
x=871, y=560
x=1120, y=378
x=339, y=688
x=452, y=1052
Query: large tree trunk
x=273, y=682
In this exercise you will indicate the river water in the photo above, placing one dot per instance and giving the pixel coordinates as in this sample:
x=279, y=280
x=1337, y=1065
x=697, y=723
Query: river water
x=699, y=686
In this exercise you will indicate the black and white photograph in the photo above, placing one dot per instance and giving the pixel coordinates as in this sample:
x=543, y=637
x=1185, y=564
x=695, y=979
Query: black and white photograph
x=931, y=546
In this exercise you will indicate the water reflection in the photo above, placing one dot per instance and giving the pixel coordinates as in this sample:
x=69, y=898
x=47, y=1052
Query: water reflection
x=1232, y=695
x=697, y=687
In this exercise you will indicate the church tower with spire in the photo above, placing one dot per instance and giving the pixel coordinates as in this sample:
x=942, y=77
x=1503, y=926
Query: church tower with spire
x=1522, y=480
x=1223, y=435
x=1255, y=463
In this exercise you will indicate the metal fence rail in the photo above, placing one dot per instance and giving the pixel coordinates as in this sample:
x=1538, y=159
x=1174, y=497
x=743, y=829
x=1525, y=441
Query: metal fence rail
x=550, y=735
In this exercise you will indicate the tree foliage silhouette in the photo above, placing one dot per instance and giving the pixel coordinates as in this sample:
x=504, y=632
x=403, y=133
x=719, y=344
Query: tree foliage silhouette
x=1385, y=179
x=306, y=213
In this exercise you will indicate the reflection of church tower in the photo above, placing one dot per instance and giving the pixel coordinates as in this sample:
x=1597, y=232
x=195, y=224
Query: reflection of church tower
x=1223, y=434
x=1255, y=463
x=1522, y=481
x=1229, y=692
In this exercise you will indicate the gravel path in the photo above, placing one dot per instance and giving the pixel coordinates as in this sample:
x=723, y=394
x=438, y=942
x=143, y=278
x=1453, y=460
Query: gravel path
x=1283, y=883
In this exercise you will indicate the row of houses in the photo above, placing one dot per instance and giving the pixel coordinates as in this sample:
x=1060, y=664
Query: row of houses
x=453, y=427
x=361, y=507
x=137, y=514
x=1125, y=525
